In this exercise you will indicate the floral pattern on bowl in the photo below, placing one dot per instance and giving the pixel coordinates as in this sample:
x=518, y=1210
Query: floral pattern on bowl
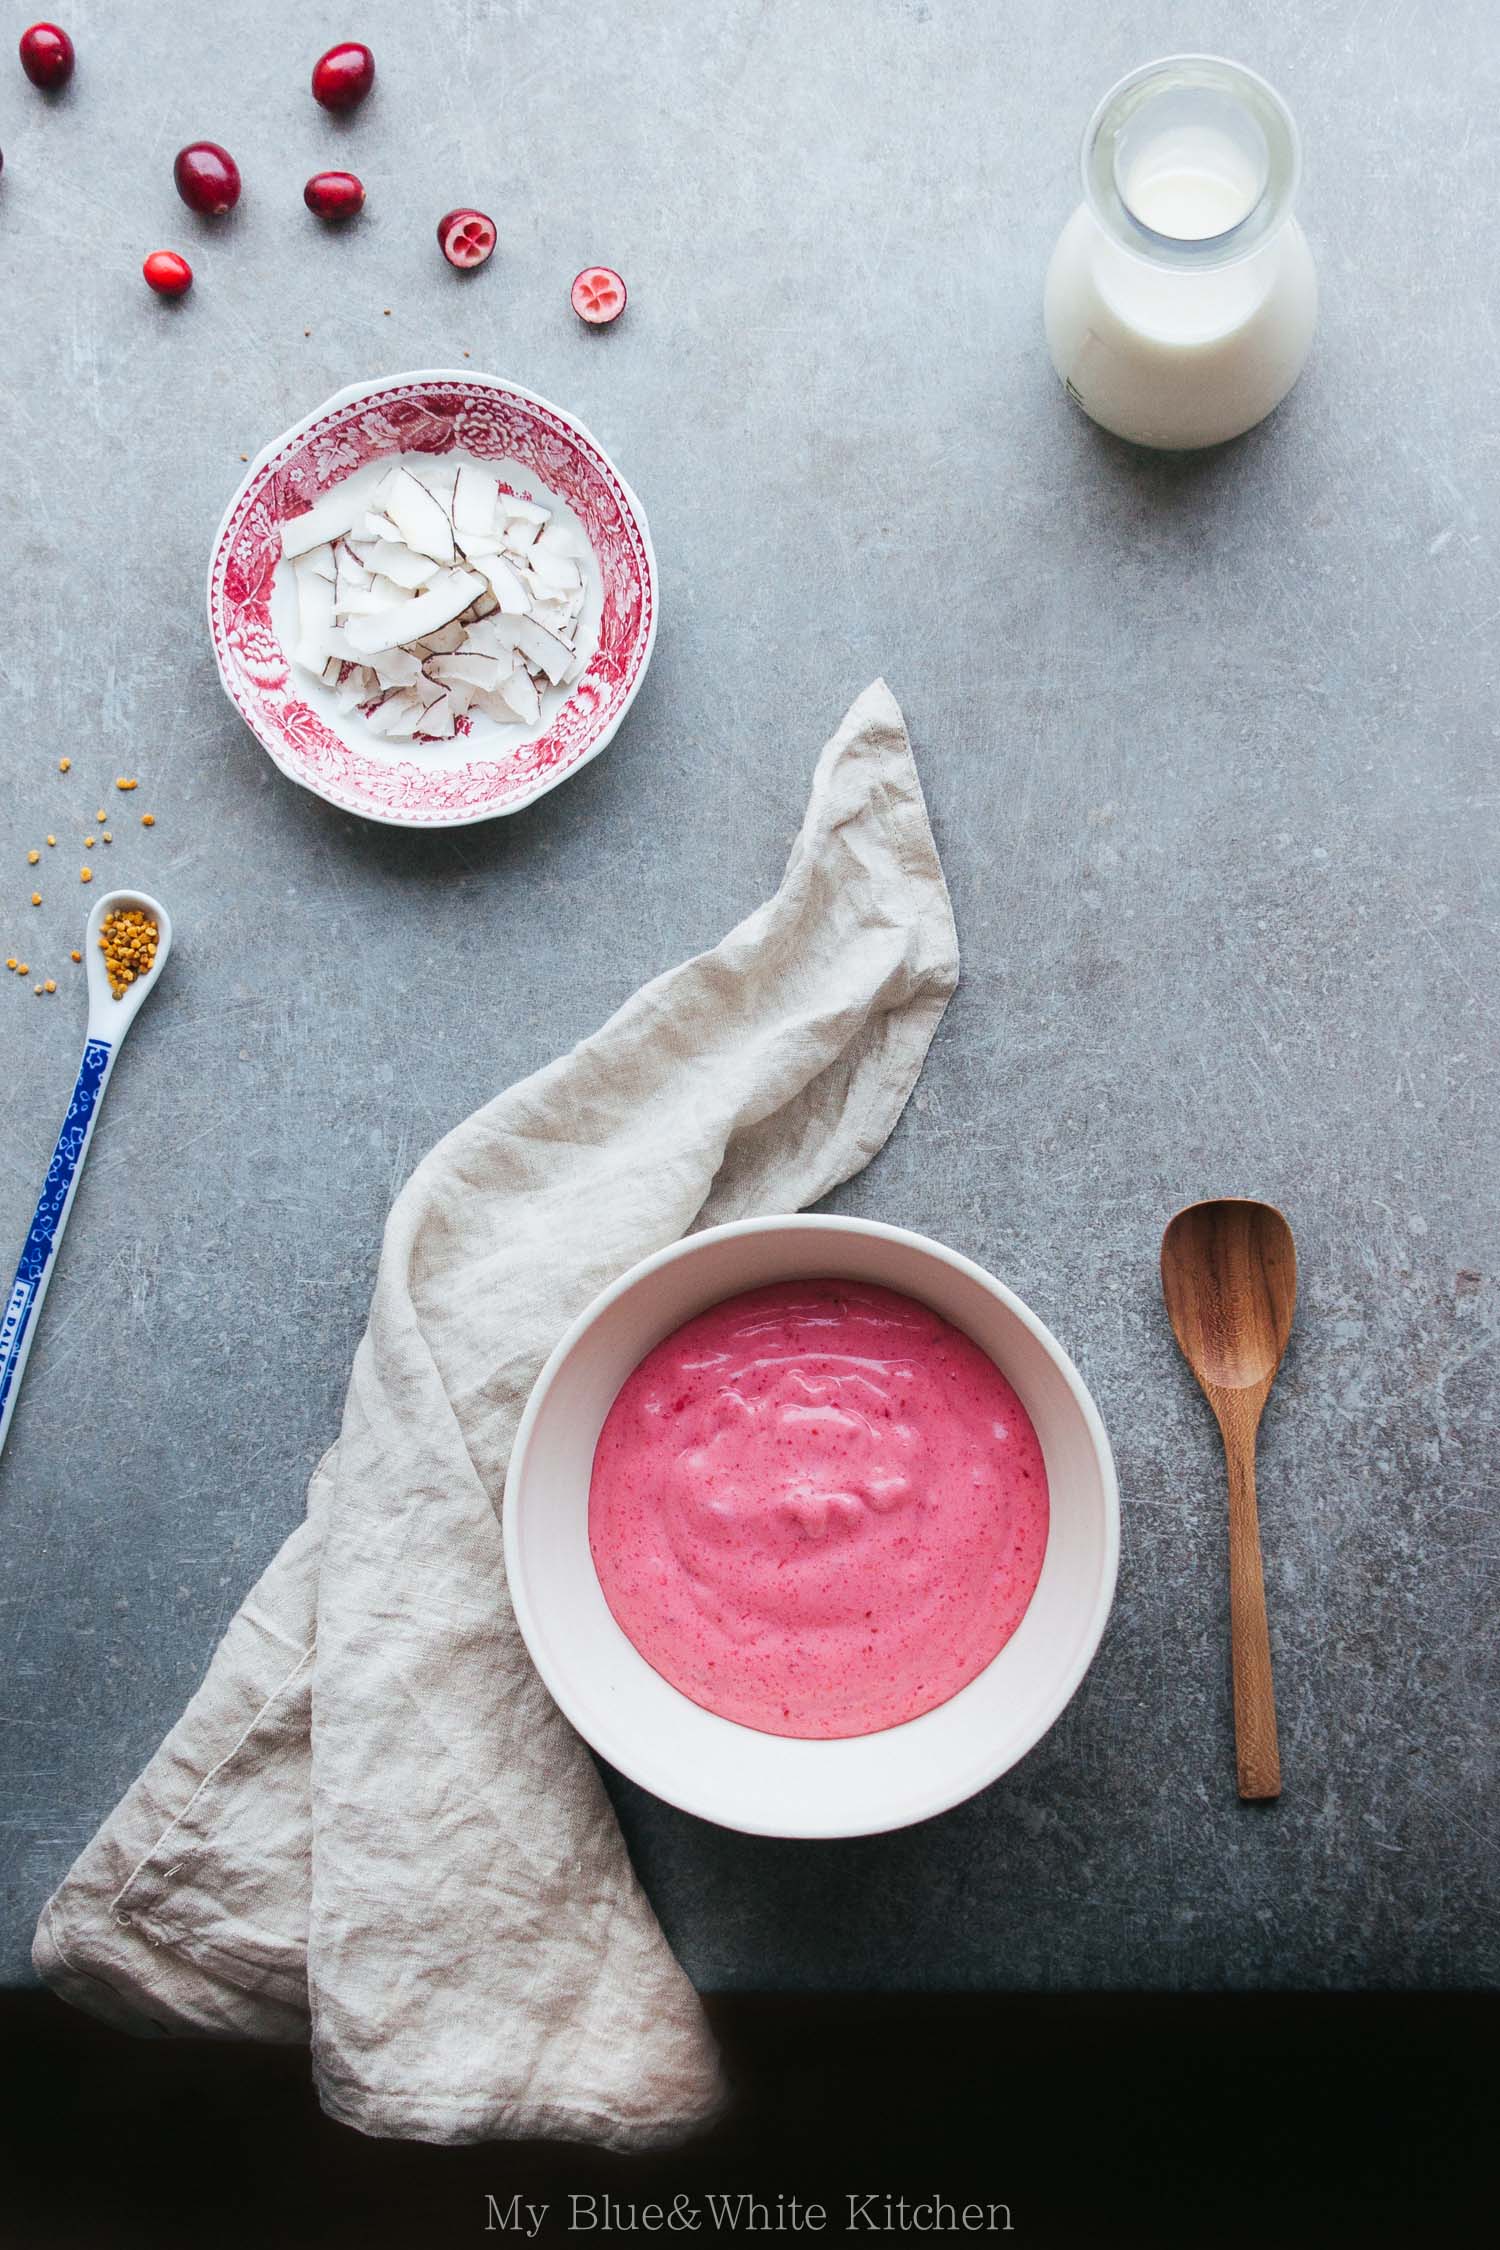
x=480, y=777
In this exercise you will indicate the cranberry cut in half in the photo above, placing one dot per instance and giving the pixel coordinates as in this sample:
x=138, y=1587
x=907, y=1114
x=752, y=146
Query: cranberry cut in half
x=333, y=195
x=342, y=78
x=208, y=179
x=598, y=295
x=168, y=274
x=47, y=56
x=466, y=238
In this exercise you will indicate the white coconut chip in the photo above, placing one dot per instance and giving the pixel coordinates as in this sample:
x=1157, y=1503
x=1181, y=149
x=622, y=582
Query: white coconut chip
x=396, y=667
x=466, y=668
x=474, y=497
x=386, y=716
x=523, y=696
x=449, y=594
x=420, y=519
x=558, y=572
x=438, y=718
x=410, y=721
x=505, y=584
x=541, y=648
x=328, y=518
x=445, y=640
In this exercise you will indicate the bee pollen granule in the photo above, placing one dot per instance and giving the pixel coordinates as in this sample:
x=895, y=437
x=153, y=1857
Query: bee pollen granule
x=127, y=939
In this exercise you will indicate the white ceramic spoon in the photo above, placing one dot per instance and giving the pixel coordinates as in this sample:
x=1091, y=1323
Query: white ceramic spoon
x=109, y=1020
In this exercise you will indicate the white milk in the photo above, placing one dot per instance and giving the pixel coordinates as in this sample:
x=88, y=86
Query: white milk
x=1181, y=298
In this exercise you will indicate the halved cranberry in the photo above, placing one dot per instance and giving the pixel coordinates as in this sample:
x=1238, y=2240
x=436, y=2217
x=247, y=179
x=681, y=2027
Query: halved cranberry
x=47, y=56
x=466, y=238
x=598, y=296
x=208, y=179
x=333, y=195
x=167, y=274
x=342, y=78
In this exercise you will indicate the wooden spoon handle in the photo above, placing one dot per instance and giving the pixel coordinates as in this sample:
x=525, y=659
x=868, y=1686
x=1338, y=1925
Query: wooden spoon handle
x=1257, y=1755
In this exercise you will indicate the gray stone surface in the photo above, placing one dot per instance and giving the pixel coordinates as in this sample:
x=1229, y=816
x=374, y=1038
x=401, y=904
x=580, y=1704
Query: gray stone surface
x=1210, y=746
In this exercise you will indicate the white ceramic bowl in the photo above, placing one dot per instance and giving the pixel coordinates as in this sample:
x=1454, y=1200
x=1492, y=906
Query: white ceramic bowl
x=534, y=450
x=772, y=1785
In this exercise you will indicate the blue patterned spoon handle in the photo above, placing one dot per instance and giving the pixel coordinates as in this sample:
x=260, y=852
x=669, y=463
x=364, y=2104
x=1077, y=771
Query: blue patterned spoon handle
x=18, y=1322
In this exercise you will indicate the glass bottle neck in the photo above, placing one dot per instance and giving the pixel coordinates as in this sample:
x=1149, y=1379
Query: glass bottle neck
x=1191, y=163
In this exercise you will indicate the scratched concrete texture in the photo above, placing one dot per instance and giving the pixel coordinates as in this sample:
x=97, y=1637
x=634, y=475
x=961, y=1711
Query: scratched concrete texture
x=1210, y=746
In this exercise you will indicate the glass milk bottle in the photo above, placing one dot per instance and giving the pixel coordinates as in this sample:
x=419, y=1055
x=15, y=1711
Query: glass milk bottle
x=1181, y=297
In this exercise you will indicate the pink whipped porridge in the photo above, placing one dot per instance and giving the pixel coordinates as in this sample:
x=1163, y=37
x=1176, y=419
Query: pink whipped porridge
x=818, y=1508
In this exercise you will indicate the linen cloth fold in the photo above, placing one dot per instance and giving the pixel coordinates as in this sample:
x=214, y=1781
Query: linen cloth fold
x=372, y=1829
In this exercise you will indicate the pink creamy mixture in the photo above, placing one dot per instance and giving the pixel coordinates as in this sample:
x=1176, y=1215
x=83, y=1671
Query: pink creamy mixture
x=818, y=1509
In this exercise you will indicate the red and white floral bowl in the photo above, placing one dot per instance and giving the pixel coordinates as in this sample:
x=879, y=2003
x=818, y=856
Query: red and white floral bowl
x=537, y=451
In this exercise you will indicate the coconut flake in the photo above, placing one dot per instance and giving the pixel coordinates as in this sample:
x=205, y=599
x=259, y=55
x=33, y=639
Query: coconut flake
x=558, y=573
x=541, y=648
x=467, y=667
x=420, y=518
x=437, y=719
x=392, y=558
x=474, y=497
x=506, y=585
x=394, y=667
x=521, y=694
x=407, y=724
x=327, y=519
x=315, y=616
x=449, y=594
x=384, y=717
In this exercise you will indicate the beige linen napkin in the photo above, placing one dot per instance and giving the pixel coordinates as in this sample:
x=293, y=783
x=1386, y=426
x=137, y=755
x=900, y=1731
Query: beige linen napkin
x=371, y=1827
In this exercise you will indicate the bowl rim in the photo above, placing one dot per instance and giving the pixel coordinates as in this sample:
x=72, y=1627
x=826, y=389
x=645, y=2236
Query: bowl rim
x=355, y=394
x=951, y=1790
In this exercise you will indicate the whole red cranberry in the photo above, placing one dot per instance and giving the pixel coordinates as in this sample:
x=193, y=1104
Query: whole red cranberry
x=47, y=56
x=208, y=179
x=167, y=273
x=342, y=78
x=333, y=195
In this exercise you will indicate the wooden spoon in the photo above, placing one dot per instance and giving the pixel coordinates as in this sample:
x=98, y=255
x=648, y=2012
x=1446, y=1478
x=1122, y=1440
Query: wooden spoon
x=1229, y=1275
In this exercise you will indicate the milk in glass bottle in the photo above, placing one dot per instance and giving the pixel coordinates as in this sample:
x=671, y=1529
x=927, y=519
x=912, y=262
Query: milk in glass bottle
x=1181, y=297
